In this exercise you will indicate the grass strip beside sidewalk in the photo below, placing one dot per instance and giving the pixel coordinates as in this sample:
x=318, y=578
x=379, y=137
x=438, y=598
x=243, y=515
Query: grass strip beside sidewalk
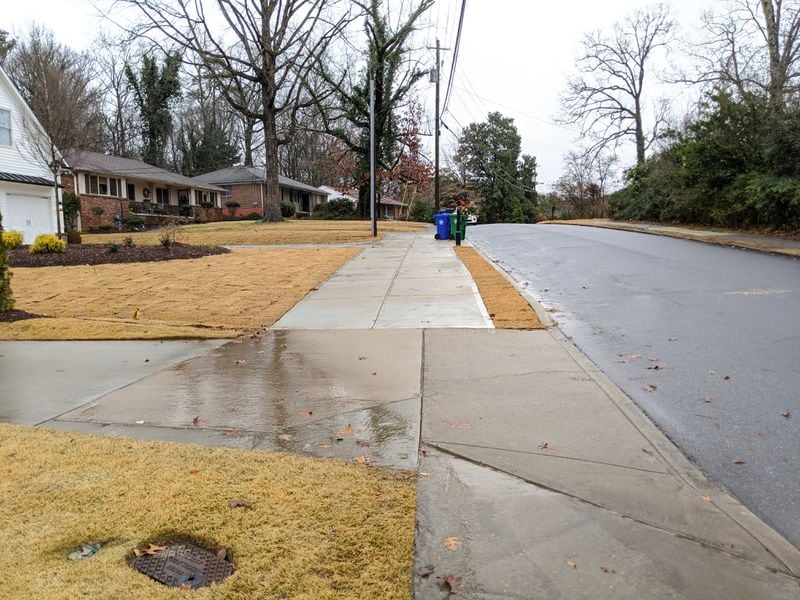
x=506, y=306
x=317, y=529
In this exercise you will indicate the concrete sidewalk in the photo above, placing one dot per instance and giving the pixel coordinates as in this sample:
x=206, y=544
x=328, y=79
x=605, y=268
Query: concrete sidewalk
x=538, y=478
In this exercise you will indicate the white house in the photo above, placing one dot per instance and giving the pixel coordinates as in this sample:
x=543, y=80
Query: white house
x=27, y=197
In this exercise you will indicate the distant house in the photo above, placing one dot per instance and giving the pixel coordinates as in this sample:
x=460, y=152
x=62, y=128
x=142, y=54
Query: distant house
x=27, y=196
x=334, y=194
x=246, y=186
x=108, y=186
x=390, y=208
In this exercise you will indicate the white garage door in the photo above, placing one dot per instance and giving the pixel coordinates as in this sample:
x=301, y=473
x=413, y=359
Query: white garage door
x=31, y=215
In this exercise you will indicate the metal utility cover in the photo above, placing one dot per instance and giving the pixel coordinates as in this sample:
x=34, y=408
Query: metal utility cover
x=184, y=564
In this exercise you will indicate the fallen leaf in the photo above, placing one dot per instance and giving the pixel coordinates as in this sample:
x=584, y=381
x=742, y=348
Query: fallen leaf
x=285, y=437
x=650, y=388
x=607, y=570
x=705, y=498
x=362, y=358
x=196, y=421
x=646, y=451
x=362, y=443
x=738, y=461
x=222, y=553
x=452, y=582
x=140, y=422
x=452, y=543
x=786, y=414
x=459, y=425
x=305, y=413
x=239, y=503
x=241, y=361
x=634, y=356
x=546, y=447
x=325, y=446
x=136, y=313
x=726, y=377
x=362, y=460
x=426, y=570
x=347, y=430
x=375, y=373
x=655, y=368
x=150, y=549
x=424, y=474
x=146, y=360
x=571, y=565
x=673, y=339
x=708, y=399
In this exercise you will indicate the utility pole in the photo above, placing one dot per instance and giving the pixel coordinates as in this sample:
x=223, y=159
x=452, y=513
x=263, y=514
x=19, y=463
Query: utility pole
x=436, y=196
x=372, y=207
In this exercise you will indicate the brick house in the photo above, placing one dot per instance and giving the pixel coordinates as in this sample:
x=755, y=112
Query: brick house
x=246, y=186
x=111, y=185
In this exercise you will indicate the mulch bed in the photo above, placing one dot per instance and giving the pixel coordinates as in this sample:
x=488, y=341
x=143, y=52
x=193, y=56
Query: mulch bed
x=98, y=254
x=9, y=316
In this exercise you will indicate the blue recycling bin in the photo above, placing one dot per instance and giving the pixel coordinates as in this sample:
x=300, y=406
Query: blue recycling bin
x=442, y=220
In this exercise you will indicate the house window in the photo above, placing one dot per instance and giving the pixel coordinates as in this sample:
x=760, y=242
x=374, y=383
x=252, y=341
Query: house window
x=103, y=186
x=131, y=192
x=162, y=195
x=5, y=127
x=213, y=198
x=227, y=192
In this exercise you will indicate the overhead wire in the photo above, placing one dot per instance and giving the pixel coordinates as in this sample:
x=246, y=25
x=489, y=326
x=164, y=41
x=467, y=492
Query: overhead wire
x=456, y=48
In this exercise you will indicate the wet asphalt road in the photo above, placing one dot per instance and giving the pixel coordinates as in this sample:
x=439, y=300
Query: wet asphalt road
x=705, y=339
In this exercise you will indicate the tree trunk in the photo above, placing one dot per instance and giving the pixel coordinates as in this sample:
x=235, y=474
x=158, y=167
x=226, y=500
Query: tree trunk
x=775, y=71
x=249, y=126
x=640, y=144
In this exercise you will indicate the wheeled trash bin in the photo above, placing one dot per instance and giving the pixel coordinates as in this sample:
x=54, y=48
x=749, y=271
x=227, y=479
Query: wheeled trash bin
x=442, y=220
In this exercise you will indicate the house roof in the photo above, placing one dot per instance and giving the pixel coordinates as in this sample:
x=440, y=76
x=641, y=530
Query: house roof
x=391, y=201
x=33, y=180
x=242, y=174
x=332, y=191
x=83, y=160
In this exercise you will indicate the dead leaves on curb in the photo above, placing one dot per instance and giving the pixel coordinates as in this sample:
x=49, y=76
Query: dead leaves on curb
x=452, y=543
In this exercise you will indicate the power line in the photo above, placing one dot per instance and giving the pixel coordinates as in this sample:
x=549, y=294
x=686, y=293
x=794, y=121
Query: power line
x=455, y=56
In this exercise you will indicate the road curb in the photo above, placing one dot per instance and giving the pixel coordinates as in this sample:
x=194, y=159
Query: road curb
x=541, y=313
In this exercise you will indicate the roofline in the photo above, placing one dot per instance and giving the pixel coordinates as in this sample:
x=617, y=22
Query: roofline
x=191, y=183
x=16, y=93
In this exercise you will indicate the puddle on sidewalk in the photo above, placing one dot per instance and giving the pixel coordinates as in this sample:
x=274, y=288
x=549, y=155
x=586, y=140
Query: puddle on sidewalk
x=345, y=394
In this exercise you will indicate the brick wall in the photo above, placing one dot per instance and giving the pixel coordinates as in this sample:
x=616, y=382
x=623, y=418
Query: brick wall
x=248, y=195
x=68, y=183
x=111, y=206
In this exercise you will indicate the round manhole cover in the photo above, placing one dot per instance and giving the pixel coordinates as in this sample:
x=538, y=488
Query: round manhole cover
x=183, y=565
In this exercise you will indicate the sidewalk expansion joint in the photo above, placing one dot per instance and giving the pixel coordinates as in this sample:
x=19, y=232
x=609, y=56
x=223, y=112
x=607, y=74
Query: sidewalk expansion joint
x=391, y=284
x=545, y=455
x=785, y=571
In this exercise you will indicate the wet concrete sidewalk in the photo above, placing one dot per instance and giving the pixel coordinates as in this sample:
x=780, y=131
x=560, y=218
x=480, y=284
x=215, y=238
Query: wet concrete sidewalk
x=538, y=478
x=403, y=281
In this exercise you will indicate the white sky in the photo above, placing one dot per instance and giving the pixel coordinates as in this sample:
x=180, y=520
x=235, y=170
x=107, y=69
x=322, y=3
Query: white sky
x=515, y=57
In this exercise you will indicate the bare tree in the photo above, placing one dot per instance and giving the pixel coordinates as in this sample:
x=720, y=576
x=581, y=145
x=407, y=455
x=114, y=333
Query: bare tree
x=752, y=46
x=583, y=186
x=607, y=99
x=270, y=44
x=119, y=107
x=58, y=85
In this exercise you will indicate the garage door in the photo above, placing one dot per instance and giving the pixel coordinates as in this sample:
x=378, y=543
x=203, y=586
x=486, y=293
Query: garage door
x=31, y=215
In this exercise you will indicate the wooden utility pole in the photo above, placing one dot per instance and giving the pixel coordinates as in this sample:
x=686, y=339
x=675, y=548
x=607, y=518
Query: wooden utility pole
x=372, y=206
x=437, y=127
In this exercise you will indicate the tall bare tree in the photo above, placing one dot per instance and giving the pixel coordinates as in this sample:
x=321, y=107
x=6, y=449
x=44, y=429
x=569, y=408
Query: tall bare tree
x=270, y=44
x=607, y=98
x=119, y=106
x=58, y=85
x=752, y=46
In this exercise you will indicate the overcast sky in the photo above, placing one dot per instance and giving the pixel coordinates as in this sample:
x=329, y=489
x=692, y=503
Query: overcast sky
x=515, y=57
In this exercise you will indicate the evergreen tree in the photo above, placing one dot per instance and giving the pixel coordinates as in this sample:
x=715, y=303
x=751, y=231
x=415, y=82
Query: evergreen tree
x=156, y=89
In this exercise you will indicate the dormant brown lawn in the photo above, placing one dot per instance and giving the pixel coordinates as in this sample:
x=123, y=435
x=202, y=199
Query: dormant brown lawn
x=217, y=296
x=317, y=529
x=254, y=232
x=506, y=306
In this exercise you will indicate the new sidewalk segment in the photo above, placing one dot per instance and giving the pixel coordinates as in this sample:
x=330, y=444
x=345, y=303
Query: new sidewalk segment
x=538, y=478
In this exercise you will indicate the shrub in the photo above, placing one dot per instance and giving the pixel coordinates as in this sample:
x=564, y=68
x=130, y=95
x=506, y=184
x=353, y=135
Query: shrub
x=47, y=243
x=541, y=217
x=168, y=234
x=128, y=242
x=340, y=209
x=253, y=216
x=105, y=228
x=232, y=205
x=6, y=299
x=73, y=236
x=70, y=206
x=421, y=212
x=113, y=247
x=133, y=221
x=287, y=210
x=185, y=211
x=98, y=211
x=12, y=239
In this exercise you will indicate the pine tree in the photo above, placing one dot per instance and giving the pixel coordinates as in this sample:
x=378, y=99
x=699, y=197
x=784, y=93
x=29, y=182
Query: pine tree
x=6, y=299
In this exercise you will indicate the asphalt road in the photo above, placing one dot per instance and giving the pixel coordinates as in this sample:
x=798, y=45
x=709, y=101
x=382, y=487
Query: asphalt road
x=705, y=339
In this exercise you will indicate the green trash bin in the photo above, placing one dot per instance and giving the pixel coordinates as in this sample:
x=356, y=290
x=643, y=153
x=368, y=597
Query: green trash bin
x=463, y=226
